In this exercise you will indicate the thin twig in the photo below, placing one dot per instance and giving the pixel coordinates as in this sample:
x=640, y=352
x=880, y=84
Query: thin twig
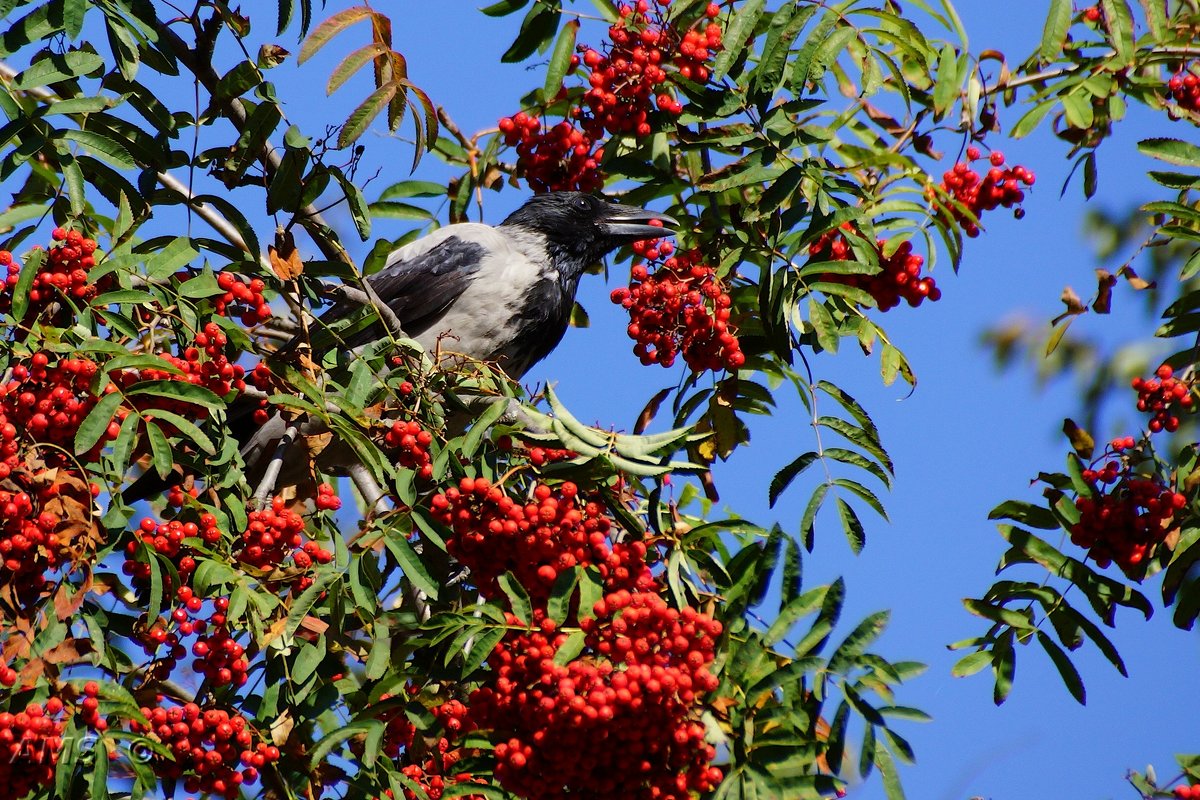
x=235, y=111
x=367, y=296
x=267, y=484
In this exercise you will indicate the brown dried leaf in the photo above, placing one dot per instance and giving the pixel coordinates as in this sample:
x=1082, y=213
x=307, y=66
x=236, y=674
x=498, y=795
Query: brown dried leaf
x=1137, y=283
x=650, y=411
x=1075, y=306
x=315, y=443
x=67, y=603
x=272, y=633
x=281, y=729
x=71, y=651
x=1105, y=281
x=285, y=258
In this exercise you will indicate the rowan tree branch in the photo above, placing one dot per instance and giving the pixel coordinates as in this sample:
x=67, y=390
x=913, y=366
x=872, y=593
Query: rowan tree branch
x=267, y=484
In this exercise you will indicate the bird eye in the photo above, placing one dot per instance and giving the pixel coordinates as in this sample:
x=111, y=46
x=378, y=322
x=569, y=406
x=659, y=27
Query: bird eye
x=583, y=204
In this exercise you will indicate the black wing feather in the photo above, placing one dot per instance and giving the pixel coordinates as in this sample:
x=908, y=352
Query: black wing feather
x=418, y=290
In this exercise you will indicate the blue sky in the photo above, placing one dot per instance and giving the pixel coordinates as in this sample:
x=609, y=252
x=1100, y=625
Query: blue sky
x=965, y=440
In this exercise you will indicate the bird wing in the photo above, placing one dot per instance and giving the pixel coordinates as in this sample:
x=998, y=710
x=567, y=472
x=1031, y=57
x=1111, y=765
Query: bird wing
x=423, y=278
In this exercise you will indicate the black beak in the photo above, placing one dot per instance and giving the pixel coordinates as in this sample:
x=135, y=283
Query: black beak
x=627, y=224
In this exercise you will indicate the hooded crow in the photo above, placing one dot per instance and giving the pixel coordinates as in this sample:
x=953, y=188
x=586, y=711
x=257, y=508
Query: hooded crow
x=500, y=294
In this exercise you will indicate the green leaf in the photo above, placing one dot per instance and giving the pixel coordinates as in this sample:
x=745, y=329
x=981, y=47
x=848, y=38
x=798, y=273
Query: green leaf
x=854, y=645
x=1054, y=33
x=736, y=36
x=560, y=59
x=96, y=423
x=785, y=476
x=1173, y=151
x=1026, y=514
x=331, y=27
x=504, y=7
x=852, y=526
x=798, y=608
x=239, y=80
x=186, y=428
x=414, y=569
x=58, y=67
x=1118, y=19
x=178, y=390
x=160, y=450
x=949, y=81
x=810, y=514
x=361, y=117
x=1004, y=665
x=100, y=145
x=170, y=259
x=29, y=270
x=786, y=24
x=569, y=650
x=357, y=204
x=518, y=598
x=537, y=28
x=558, y=605
x=482, y=647
x=1066, y=669
x=972, y=663
x=1157, y=18
x=1031, y=118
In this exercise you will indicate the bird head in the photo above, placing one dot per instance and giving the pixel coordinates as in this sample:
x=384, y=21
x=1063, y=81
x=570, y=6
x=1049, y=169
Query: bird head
x=580, y=229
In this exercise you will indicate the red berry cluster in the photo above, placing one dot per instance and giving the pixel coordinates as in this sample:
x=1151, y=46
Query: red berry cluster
x=35, y=525
x=218, y=656
x=1163, y=396
x=1126, y=517
x=63, y=273
x=680, y=308
x=537, y=456
x=559, y=158
x=245, y=300
x=899, y=277
x=203, y=364
x=411, y=443
x=166, y=539
x=557, y=530
x=627, y=80
x=48, y=403
x=214, y=750
x=8, y=675
x=634, y=688
x=1184, y=88
x=326, y=500
x=1185, y=792
x=89, y=707
x=999, y=186
x=30, y=744
x=274, y=534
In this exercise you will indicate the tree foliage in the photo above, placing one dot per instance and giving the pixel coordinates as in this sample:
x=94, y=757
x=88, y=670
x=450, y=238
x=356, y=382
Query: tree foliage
x=517, y=583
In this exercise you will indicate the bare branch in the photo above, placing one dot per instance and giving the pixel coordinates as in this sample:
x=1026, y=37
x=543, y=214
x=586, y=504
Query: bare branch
x=267, y=484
